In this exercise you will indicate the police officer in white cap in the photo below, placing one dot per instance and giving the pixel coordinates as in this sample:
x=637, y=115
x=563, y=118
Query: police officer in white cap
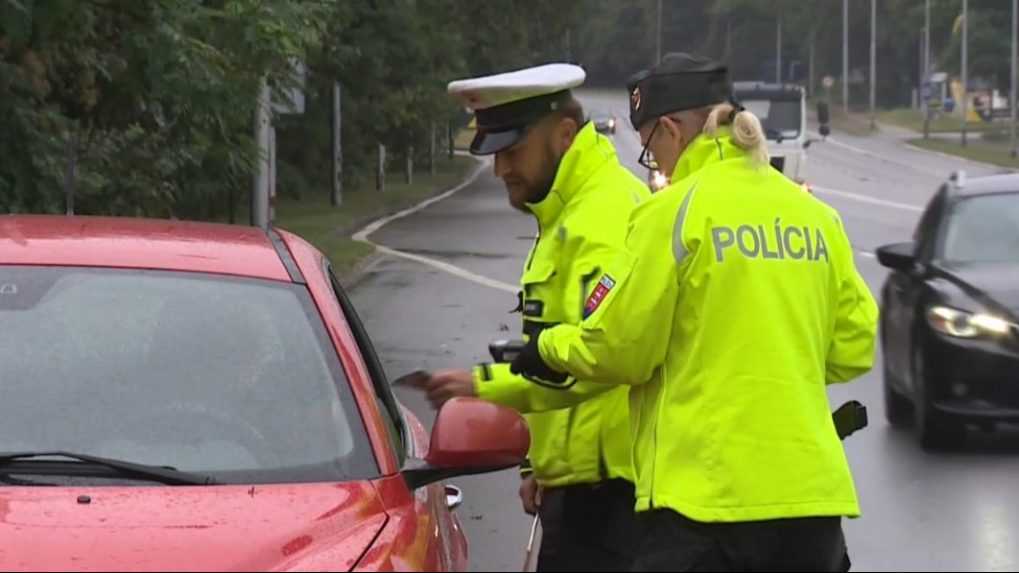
x=559, y=169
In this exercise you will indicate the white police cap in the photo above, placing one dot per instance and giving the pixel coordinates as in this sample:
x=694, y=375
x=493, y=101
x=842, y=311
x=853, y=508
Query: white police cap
x=505, y=105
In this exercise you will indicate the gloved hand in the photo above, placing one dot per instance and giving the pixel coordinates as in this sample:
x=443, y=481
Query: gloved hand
x=530, y=365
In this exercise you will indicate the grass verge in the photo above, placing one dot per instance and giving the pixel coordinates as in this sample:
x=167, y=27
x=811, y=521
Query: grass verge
x=977, y=150
x=913, y=119
x=329, y=229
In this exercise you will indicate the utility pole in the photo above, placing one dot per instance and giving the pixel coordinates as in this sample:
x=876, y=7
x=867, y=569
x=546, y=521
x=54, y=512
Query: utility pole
x=813, y=42
x=1015, y=57
x=965, y=70
x=778, y=51
x=925, y=82
x=728, y=38
x=658, y=50
x=260, y=186
x=873, y=64
x=845, y=56
x=337, y=195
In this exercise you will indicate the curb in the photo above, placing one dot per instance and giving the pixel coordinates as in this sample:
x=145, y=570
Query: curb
x=363, y=268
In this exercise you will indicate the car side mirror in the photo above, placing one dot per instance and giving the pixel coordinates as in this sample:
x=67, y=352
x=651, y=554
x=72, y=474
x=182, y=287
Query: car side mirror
x=899, y=256
x=470, y=436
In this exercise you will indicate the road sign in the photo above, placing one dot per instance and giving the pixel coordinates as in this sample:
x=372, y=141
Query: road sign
x=828, y=82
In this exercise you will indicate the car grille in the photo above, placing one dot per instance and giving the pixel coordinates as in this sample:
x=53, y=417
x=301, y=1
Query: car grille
x=778, y=163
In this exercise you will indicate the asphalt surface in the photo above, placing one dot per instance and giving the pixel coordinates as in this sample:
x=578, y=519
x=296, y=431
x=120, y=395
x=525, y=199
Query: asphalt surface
x=922, y=511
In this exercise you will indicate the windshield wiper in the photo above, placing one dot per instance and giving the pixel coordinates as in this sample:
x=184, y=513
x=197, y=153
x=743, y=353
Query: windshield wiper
x=28, y=462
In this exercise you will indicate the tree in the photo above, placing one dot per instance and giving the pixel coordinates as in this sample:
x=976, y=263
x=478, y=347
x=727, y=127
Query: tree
x=148, y=103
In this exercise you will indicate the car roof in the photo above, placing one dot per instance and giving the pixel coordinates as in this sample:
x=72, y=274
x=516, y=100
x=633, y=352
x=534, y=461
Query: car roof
x=139, y=244
x=988, y=185
x=763, y=90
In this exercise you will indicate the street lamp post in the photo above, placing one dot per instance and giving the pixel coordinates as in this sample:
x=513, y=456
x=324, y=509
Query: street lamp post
x=873, y=63
x=1015, y=56
x=965, y=75
x=778, y=51
x=845, y=56
x=925, y=81
x=658, y=48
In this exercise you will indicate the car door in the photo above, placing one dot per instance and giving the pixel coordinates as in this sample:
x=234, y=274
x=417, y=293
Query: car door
x=905, y=292
x=435, y=538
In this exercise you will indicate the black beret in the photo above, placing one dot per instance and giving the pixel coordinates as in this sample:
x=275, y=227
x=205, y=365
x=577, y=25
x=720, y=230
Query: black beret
x=680, y=82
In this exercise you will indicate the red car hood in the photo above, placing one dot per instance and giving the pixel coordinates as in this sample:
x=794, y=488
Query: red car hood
x=223, y=528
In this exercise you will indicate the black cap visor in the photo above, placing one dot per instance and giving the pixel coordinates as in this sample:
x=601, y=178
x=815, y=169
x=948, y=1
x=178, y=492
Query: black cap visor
x=501, y=126
x=487, y=142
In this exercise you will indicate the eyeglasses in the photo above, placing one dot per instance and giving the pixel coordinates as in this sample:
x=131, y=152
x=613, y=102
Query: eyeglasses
x=647, y=160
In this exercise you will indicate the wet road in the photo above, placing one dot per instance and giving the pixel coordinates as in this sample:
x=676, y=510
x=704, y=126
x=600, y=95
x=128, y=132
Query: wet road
x=922, y=511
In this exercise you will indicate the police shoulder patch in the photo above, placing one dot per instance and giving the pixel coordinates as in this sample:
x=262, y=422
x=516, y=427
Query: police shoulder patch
x=601, y=290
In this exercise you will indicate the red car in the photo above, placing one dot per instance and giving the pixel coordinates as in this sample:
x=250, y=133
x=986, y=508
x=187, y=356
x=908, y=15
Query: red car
x=186, y=396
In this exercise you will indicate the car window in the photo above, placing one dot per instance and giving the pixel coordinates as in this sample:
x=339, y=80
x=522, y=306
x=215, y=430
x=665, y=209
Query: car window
x=230, y=377
x=779, y=117
x=388, y=406
x=925, y=234
x=983, y=229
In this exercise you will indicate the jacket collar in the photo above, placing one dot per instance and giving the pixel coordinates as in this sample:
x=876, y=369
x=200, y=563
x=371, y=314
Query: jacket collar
x=705, y=150
x=588, y=153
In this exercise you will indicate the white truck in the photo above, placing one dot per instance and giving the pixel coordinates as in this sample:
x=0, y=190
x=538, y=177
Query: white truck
x=782, y=109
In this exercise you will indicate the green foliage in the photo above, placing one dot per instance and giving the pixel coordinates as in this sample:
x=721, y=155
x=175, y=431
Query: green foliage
x=146, y=106
x=149, y=100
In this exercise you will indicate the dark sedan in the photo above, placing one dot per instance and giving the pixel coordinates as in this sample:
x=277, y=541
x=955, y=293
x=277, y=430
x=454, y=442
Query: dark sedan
x=950, y=321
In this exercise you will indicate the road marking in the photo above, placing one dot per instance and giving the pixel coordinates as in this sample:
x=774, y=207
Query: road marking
x=880, y=157
x=451, y=269
x=866, y=199
x=859, y=150
x=362, y=237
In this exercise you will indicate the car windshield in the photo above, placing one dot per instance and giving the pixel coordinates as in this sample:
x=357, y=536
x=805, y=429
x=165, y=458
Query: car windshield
x=780, y=118
x=983, y=229
x=228, y=377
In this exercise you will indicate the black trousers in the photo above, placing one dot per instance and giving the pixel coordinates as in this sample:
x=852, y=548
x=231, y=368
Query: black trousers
x=671, y=542
x=588, y=527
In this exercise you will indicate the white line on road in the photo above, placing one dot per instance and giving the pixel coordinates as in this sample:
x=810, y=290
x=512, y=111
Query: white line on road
x=859, y=150
x=451, y=269
x=866, y=199
x=362, y=236
x=878, y=156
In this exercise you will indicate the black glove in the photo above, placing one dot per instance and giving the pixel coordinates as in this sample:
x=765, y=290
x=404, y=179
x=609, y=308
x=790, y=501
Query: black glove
x=530, y=365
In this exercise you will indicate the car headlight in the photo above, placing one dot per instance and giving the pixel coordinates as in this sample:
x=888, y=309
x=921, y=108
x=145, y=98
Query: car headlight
x=612, y=124
x=962, y=324
x=659, y=180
